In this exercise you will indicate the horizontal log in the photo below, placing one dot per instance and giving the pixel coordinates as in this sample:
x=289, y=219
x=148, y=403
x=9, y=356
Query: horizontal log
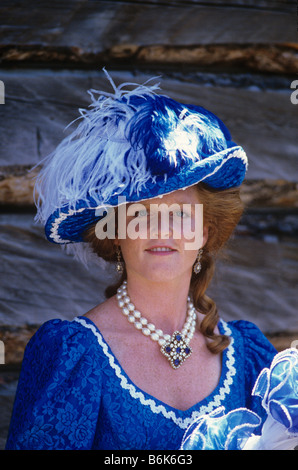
x=262, y=58
x=98, y=25
x=15, y=340
x=17, y=183
x=273, y=58
x=17, y=186
x=269, y=194
x=284, y=340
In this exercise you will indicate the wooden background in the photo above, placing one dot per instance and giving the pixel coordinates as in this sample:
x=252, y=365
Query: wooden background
x=237, y=58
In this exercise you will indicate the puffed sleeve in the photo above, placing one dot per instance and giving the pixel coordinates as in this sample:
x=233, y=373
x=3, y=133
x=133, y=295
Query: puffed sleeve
x=58, y=395
x=258, y=353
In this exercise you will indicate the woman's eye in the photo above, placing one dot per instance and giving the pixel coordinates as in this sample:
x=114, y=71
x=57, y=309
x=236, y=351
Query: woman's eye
x=141, y=213
x=181, y=214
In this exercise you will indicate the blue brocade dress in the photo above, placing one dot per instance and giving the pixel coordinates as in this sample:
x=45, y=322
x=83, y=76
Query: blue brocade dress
x=73, y=393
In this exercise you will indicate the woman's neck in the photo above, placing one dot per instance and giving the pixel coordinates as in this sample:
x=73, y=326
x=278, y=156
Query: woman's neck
x=162, y=303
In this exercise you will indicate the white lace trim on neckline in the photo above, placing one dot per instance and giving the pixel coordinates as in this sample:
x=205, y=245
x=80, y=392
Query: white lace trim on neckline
x=158, y=408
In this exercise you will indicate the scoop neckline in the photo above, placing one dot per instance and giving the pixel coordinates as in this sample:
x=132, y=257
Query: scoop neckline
x=207, y=404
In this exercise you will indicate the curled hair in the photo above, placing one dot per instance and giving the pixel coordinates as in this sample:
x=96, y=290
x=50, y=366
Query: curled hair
x=222, y=211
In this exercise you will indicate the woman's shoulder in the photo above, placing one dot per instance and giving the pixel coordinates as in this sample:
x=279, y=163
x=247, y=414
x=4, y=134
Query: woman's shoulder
x=248, y=330
x=249, y=341
x=105, y=314
x=252, y=337
x=57, y=349
x=58, y=329
x=59, y=338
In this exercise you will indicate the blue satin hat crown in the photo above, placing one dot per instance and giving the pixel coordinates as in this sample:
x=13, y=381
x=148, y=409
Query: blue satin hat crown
x=136, y=144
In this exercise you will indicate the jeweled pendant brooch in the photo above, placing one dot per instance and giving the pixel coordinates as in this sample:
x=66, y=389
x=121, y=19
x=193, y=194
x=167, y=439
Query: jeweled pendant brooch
x=176, y=350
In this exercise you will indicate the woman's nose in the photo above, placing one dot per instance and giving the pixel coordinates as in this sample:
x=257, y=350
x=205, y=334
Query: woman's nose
x=160, y=226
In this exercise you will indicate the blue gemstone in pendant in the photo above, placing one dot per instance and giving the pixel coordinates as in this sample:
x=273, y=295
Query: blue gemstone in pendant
x=168, y=349
x=178, y=350
x=176, y=362
x=187, y=350
x=178, y=337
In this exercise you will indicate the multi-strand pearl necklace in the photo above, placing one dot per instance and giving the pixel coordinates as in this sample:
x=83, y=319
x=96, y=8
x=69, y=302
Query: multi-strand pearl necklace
x=176, y=347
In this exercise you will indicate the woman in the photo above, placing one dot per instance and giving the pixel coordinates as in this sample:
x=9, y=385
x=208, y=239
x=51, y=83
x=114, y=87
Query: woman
x=136, y=370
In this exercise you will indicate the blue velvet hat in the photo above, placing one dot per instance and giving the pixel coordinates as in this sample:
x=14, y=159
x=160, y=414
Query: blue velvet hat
x=136, y=144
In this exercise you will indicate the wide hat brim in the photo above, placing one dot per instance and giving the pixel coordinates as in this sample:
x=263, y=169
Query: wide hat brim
x=223, y=170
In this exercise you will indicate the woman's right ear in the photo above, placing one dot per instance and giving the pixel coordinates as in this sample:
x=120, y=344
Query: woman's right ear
x=205, y=235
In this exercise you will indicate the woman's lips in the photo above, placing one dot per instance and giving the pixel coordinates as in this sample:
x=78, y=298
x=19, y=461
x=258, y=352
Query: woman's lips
x=160, y=250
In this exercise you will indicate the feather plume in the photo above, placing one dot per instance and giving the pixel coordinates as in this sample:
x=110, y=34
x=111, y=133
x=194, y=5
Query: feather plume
x=96, y=160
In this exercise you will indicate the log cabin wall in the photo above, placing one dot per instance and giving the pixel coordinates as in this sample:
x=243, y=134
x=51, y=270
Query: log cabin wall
x=237, y=58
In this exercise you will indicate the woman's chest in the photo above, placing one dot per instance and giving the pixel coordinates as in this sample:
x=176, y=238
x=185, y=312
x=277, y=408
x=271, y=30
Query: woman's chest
x=149, y=370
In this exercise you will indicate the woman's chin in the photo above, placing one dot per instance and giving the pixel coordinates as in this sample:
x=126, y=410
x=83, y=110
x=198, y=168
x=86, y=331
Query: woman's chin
x=162, y=274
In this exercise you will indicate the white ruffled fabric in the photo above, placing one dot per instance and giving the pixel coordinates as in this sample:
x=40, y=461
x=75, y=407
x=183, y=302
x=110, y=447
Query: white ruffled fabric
x=278, y=389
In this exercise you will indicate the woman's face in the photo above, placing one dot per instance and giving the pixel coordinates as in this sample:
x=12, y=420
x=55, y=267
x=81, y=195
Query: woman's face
x=162, y=236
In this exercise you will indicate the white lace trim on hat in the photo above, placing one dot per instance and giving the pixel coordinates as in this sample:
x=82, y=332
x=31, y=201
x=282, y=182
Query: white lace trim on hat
x=239, y=153
x=55, y=226
x=153, y=405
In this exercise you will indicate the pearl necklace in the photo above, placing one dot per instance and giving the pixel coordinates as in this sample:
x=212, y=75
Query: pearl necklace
x=176, y=347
